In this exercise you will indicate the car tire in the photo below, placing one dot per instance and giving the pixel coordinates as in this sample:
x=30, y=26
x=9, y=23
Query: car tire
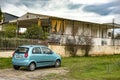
x=16, y=67
x=57, y=63
x=31, y=67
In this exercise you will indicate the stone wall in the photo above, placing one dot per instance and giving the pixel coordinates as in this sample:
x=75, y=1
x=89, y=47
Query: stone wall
x=0, y=27
x=95, y=51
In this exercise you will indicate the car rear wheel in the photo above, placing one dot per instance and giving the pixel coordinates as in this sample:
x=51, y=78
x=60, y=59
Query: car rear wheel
x=16, y=67
x=31, y=67
x=57, y=63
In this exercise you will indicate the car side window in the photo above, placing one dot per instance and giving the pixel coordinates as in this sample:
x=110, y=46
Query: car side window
x=36, y=50
x=46, y=50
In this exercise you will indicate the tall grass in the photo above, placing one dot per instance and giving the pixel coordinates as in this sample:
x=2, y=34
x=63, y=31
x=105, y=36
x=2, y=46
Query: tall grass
x=93, y=68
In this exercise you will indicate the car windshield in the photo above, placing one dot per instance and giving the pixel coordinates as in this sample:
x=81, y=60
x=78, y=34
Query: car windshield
x=21, y=50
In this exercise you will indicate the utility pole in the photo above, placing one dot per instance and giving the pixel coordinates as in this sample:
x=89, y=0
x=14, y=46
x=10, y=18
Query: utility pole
x=1, y=14
x=114, y=35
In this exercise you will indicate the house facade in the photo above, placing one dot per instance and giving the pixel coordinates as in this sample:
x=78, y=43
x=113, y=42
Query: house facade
x=62, y=29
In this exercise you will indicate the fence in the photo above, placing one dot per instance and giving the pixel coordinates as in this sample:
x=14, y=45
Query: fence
x=12, y=43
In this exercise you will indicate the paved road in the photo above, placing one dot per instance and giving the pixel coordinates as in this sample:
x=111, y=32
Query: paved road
x=6, y=53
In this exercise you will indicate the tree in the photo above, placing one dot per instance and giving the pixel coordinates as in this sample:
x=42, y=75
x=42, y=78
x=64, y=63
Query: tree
x=10, y=31
x=71, y=46
x=35, y=32
x=84, y=43
x=1, y=15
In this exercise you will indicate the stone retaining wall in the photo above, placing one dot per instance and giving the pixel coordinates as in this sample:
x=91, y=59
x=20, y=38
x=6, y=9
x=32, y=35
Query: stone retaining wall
x=96, y=50
x=6, y=53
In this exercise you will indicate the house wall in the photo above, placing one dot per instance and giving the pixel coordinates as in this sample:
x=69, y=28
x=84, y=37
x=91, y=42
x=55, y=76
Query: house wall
x=80, y=28
x=98, y=32
x=103, y=44
x=95, y=31
x=102, y=41
x=69, y=27
x=87, y=29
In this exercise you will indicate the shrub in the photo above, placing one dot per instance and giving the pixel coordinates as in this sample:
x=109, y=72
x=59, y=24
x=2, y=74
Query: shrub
x=35, y=32
x=10, y=30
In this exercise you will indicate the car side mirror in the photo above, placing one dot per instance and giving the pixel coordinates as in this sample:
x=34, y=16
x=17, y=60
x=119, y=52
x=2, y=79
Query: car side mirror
x=50, y=52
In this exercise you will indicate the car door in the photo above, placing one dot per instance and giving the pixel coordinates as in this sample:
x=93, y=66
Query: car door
x=48, y=55
x=37, y=56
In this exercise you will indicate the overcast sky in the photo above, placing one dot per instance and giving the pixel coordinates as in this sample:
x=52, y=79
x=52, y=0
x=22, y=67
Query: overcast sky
x=98, y=11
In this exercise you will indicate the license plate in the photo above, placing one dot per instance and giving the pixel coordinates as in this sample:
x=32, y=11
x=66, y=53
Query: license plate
x=18, y=56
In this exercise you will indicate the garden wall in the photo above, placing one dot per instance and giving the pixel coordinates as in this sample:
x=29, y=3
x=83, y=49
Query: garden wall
x=96, y=50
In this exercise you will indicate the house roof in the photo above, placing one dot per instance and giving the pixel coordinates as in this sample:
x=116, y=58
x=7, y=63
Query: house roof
x=56, y=17
x=38, y=16
x=42, y=16
x=113, y=24
x=8, y=17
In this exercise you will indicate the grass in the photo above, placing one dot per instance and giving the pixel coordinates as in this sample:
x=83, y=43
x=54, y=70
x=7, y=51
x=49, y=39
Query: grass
x=5, y=63
x=93, y=68
x=83, y=68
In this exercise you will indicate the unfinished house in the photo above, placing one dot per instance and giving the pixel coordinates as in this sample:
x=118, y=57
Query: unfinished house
x=61, y=29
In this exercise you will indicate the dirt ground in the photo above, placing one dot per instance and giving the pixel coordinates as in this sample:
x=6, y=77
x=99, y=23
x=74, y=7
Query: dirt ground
x=23, y=74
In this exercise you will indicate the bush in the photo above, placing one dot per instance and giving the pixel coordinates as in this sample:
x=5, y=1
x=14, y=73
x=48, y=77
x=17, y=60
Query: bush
x=1, y=33
x=10, y=30
x=35, y=32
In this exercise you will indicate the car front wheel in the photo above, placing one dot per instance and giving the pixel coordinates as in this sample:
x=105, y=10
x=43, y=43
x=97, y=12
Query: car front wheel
x=57, y=63
x=16, y=67
x=31, y=67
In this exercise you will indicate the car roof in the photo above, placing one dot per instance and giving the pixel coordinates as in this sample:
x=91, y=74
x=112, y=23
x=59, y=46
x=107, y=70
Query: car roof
x=29, y=46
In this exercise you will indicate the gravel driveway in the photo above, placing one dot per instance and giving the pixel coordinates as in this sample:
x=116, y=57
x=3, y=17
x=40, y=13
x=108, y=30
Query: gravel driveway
x=23, y=74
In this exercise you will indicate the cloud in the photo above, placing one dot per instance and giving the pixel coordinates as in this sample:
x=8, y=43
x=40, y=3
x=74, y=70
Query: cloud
x=99, y=11
x=104, y=9
x=91, y=2
x=73, y=6
x=13, y=9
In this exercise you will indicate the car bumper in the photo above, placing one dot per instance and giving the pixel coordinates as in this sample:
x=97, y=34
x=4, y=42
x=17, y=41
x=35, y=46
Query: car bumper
x=20, y=63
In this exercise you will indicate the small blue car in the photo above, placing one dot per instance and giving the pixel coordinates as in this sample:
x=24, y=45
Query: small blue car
x=33, y=56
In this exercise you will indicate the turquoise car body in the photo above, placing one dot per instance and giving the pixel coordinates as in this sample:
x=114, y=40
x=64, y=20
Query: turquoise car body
x=43, y=56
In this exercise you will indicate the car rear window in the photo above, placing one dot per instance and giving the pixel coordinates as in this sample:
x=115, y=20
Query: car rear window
x=21, y=50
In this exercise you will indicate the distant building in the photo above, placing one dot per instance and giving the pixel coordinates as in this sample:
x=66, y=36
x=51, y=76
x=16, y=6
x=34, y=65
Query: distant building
x=6, y=18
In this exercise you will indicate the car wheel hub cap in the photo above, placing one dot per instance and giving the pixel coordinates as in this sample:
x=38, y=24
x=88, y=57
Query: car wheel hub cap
x=57, y=64
x=32, y=67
